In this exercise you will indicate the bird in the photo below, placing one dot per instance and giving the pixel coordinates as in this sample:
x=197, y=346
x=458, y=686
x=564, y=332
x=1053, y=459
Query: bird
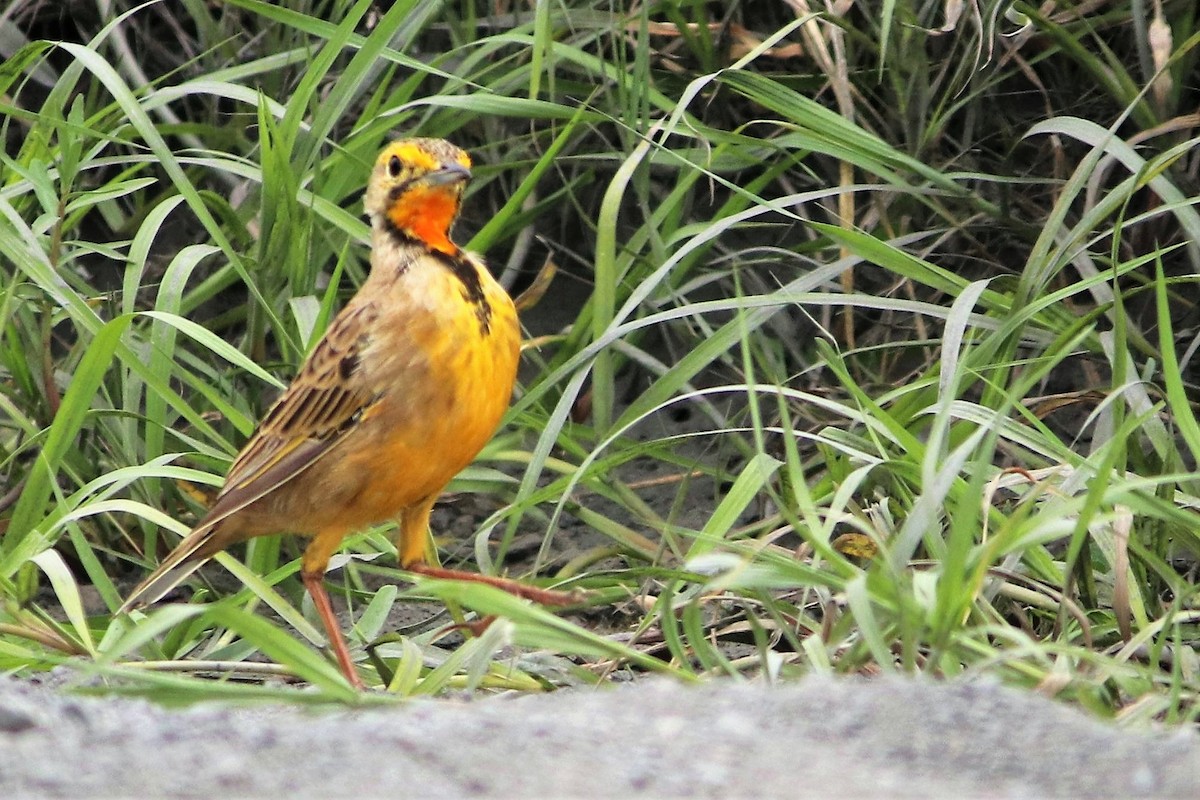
x=408, y=383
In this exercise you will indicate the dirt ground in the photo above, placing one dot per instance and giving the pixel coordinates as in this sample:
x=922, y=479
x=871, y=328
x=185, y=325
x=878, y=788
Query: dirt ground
x=818, y=738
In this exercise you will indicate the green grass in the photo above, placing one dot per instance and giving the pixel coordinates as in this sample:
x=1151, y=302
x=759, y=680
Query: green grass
x=927, y=294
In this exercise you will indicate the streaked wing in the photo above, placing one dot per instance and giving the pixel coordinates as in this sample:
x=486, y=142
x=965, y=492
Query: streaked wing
x=312, y=415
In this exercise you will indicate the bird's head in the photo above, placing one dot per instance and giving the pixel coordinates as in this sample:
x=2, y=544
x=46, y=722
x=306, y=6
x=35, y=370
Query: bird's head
x=415, y=190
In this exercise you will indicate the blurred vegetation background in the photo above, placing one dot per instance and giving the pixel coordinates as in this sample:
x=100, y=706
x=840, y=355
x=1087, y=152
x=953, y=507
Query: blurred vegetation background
x=890, y=301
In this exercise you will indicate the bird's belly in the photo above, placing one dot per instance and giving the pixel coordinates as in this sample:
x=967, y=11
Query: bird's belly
x=428, y=425
x=411, y=461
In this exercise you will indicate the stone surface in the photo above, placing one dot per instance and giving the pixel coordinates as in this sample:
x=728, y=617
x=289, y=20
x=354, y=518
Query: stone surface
x=819, y=738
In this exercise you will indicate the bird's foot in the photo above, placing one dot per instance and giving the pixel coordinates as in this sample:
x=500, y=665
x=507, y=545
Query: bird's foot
x=547, y=597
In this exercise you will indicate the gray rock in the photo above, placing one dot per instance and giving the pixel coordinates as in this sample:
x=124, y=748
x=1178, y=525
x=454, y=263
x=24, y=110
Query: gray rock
x=817, y=738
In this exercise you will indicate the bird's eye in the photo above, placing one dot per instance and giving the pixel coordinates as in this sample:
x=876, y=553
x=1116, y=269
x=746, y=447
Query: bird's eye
x=394, y=166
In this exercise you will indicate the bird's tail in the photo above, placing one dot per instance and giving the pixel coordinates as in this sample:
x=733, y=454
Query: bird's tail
x=191, y=553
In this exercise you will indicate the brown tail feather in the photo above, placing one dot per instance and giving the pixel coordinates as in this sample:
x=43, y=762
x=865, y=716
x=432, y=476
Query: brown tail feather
x=187, y=557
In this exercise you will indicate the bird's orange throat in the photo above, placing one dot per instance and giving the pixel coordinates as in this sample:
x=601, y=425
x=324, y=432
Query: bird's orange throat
x=425, y=213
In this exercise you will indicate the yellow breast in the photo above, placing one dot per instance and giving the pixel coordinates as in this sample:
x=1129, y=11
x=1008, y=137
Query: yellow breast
x=445, y=368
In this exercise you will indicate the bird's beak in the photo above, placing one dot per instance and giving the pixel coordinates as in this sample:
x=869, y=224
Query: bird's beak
x=448, y=173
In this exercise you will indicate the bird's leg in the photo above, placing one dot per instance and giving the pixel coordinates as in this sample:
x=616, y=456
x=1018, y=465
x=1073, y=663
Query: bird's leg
x=547, y=597
x=314, y=582
x=411, y=542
